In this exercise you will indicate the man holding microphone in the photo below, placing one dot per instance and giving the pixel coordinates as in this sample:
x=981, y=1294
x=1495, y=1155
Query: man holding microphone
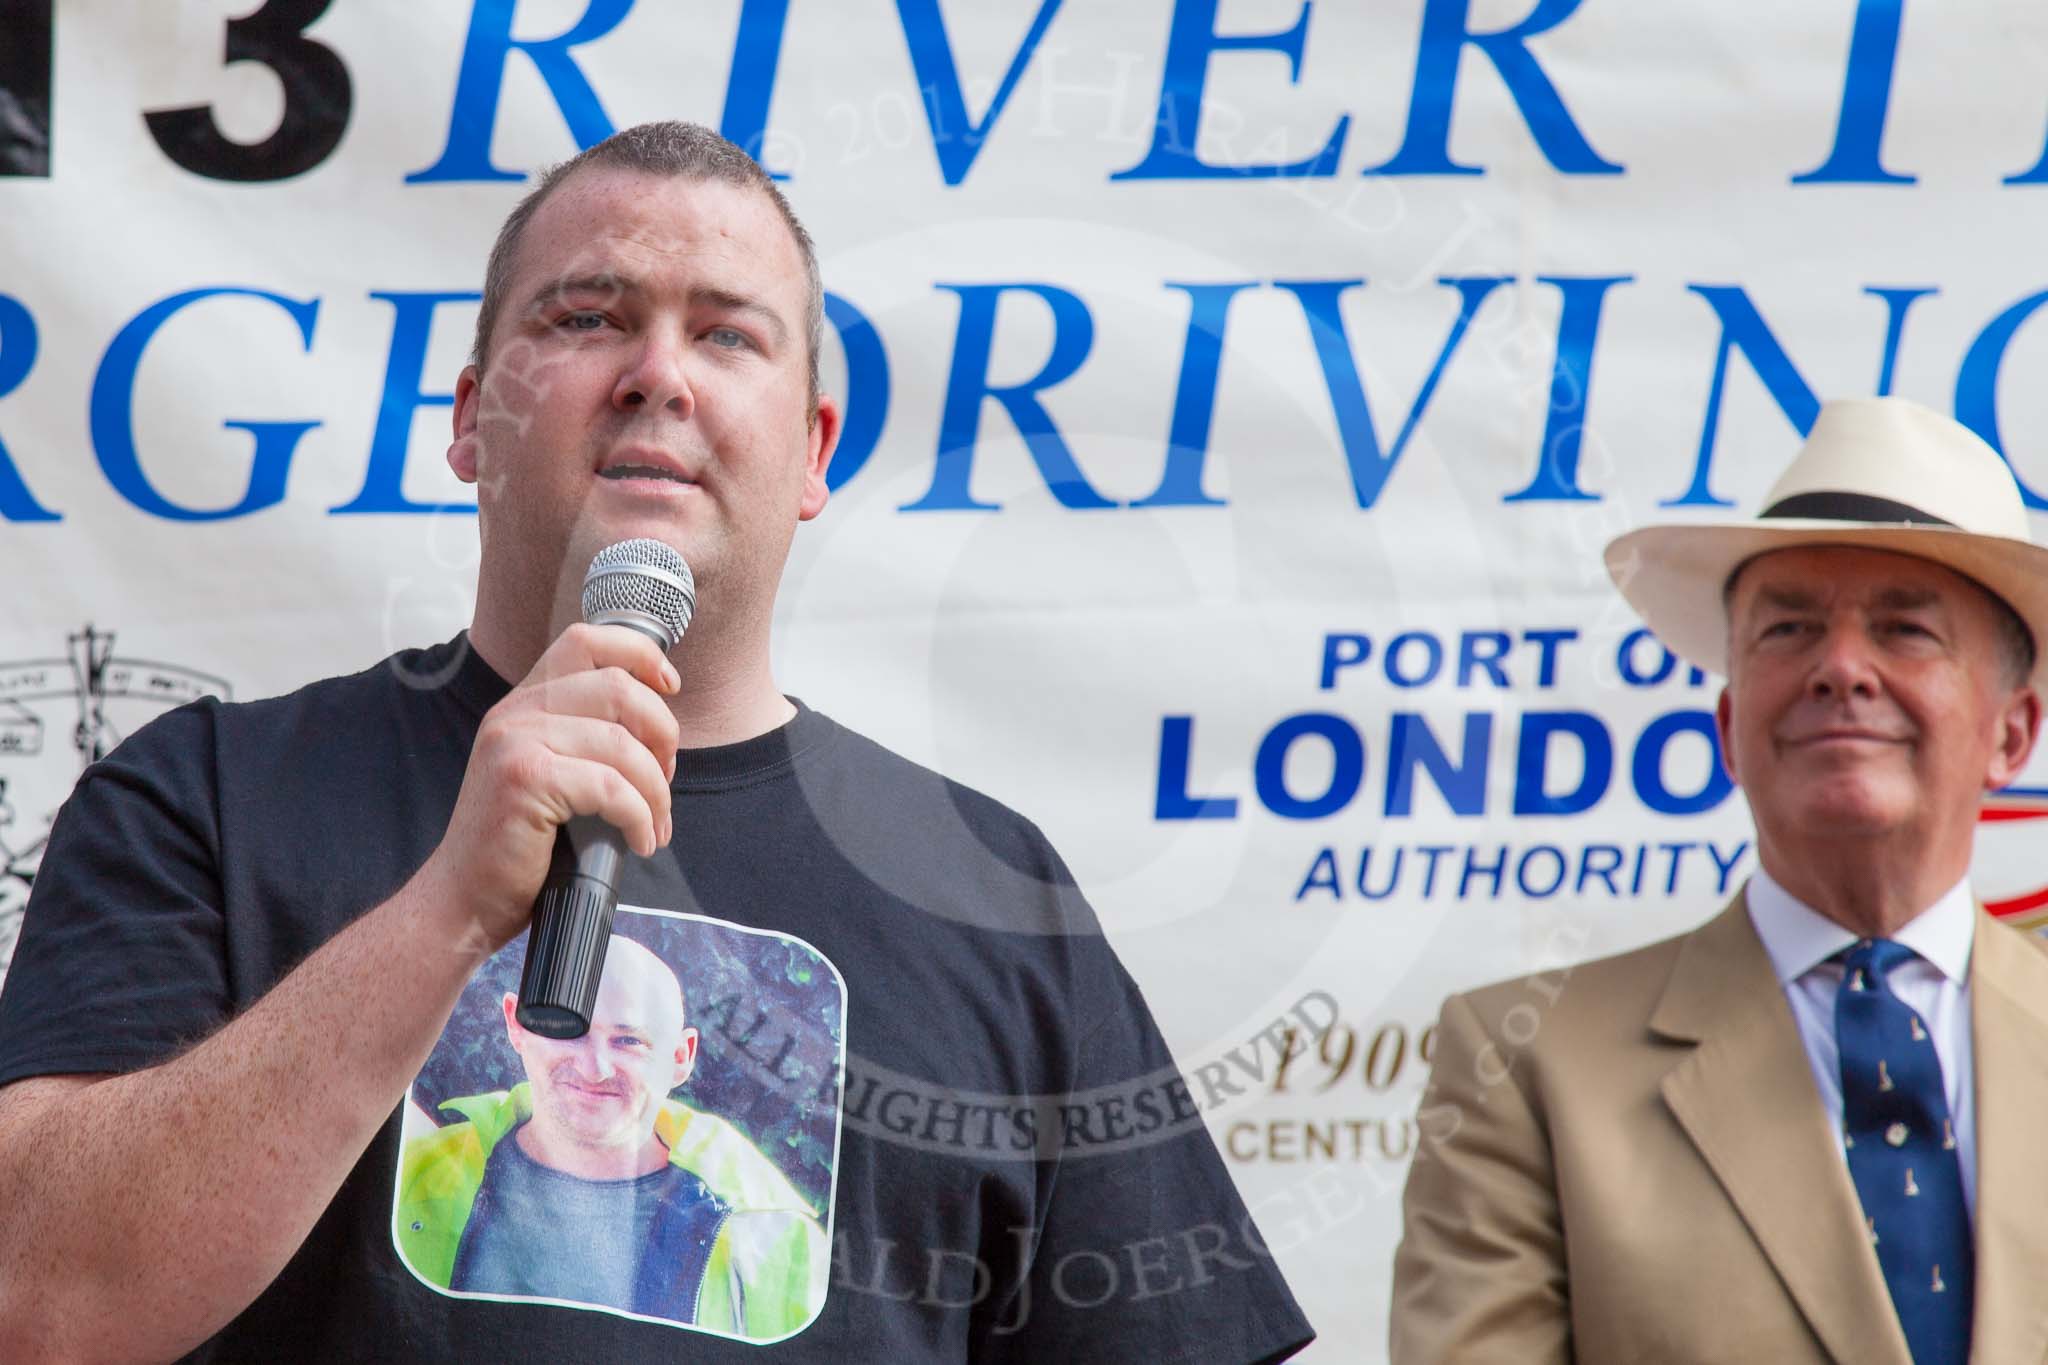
x=253, y=921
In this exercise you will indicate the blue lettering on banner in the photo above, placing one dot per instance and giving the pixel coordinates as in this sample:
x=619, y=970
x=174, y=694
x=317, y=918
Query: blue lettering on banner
x=1414, y=746
x=1176, y=739
x=1411, y=744
x=1896, y=302
x=1369, y=463
x=1347, y=769
x=1432, y=853
x=1496, y=645
x=1571, y=379
x=967, y=385
x=1604, y=867
x=1977, y=383
x=1563, y=761
x=1402, y=646
x=1548, y=643
x=1522, y=868
x=1539, y=871
x=955, y=138
x=412, y=319
x=1648, y=765
x=1866, y=94
x=481, y=79
x=112, y=415
x=318, y=92
x=1743, y=329
x=1475, y=868
x=1479, y=652
x=17, y=358
x=1322, y=876
x=1446, y=32
x=2036, y=174
x=1370, y=466
x=1532, y=762
x=1393, y=880
x=867, y=390
x=1194, y=399
x=1342, y=651
x=1627, y=662
x=1176, y=128
x=749, y=89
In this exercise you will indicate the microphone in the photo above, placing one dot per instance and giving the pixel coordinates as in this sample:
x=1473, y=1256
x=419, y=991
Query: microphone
x=642, y=585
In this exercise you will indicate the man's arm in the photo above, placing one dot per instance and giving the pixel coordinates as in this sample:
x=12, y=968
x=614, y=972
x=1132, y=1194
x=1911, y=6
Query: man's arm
x=1480, y=1273
x=142, y=1237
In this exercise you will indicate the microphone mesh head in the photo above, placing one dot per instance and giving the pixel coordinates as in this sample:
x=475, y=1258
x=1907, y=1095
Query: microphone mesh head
x=640, y=582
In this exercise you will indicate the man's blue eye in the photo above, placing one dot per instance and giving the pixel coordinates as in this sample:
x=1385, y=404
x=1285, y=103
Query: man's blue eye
x=728, y=337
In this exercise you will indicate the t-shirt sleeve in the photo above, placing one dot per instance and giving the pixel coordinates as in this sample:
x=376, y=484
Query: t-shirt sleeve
x=1146, y=1252
x=120, y=962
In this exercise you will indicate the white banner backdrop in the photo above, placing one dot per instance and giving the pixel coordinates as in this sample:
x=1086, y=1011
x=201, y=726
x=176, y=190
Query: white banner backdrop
x=1239, y=395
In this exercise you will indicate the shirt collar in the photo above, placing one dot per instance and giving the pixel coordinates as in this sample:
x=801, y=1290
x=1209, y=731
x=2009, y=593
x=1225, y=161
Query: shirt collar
x=1798, y=938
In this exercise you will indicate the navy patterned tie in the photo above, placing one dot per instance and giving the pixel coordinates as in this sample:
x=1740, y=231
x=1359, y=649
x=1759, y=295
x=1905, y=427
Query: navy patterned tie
x=1902, y=1154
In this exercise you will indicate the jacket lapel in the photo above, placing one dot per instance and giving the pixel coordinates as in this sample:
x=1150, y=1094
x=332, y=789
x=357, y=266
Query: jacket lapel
x=1745, y=1097
x=2009, y=1023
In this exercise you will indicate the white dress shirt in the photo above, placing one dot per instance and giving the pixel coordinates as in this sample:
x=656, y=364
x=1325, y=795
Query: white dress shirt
x=1800, y=940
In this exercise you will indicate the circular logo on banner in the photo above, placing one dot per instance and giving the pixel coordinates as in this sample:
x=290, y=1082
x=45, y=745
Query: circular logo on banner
x=2009, y=871
x=57, y=715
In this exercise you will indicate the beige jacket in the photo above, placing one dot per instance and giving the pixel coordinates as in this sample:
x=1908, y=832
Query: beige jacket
x=1627, y=1161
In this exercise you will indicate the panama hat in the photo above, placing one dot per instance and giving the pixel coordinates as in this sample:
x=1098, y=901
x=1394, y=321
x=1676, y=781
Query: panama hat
x=1875, y=473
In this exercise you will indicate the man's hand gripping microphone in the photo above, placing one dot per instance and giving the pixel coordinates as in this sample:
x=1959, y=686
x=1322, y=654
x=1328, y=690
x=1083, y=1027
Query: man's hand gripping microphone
x=641, y=585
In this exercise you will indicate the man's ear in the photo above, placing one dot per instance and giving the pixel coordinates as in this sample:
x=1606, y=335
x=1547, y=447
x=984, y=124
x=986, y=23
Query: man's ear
x=686, y=1057
x=824, y=439
x=462, y=450
x=2019, y=725
x=514, y=1032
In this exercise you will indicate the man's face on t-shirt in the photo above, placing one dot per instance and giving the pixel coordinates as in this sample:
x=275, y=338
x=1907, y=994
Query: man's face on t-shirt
x=595, y=1098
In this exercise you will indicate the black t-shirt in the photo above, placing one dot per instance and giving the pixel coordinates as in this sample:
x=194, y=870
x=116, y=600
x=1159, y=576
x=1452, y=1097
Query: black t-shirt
x=1019, y=1172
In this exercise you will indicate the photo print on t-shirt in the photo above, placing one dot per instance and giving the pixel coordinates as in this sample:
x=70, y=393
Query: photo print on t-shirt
x=675, y=1164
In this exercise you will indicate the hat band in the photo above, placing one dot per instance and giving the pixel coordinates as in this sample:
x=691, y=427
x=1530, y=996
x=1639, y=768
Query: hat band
x=1826, y=506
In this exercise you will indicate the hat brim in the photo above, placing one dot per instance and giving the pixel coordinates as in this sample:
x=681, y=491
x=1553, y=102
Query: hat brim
x=1674, y=575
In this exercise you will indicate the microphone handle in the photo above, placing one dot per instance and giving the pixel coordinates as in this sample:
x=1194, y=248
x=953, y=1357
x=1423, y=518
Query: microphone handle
x=572, y=917
x=571, y=930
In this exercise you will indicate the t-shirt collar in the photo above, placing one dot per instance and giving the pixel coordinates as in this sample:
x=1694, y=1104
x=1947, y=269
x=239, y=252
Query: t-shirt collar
x=1798, y=938
x=460, y=667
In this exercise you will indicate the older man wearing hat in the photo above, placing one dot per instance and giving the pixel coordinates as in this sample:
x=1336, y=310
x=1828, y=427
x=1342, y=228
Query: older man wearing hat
x=1816, y=1127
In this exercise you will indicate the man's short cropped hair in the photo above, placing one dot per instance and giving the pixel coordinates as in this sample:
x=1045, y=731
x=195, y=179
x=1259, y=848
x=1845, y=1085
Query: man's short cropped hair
x=670, y=148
